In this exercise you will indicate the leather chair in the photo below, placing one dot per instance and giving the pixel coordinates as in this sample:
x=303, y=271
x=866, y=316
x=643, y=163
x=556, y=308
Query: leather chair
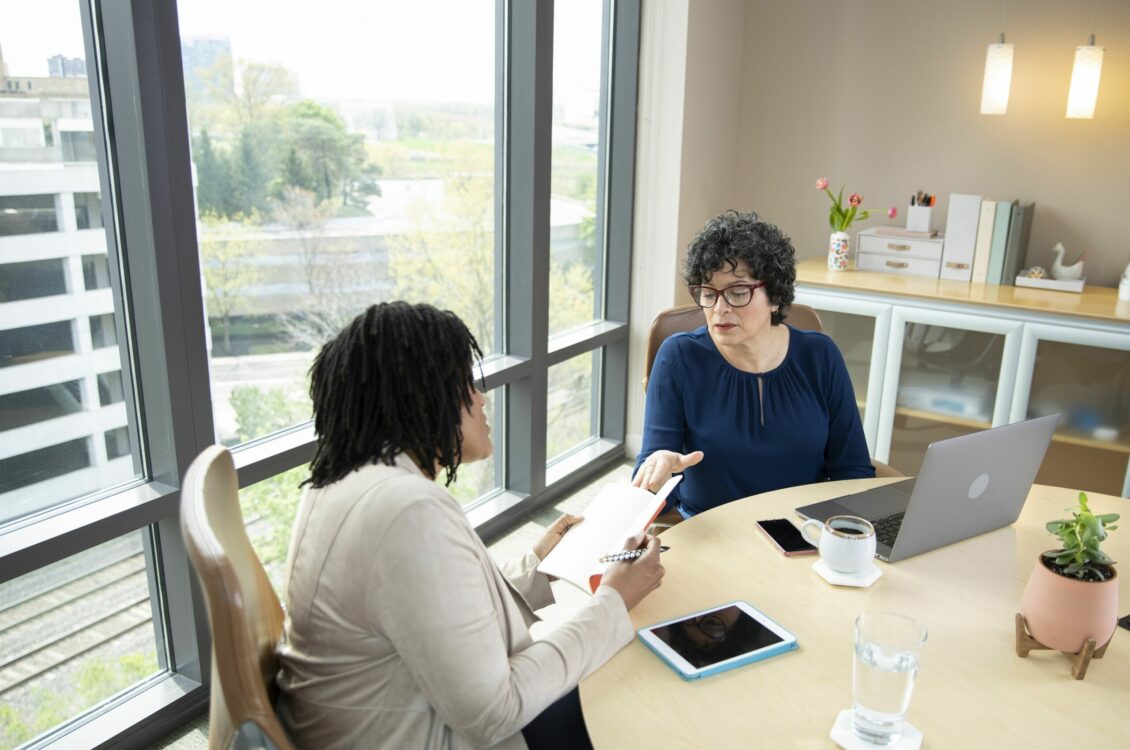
x=689, y=317
x=244, y=613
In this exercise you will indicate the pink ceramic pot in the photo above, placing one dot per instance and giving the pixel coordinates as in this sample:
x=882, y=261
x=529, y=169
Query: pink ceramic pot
x=1064, y=612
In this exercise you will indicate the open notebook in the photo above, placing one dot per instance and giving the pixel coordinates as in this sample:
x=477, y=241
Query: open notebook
x=619, y=511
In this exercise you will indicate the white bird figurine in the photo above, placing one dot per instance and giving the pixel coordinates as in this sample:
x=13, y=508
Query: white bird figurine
x=1061, y=272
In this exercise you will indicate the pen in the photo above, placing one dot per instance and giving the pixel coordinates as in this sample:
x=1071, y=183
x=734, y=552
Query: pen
x=628, y=554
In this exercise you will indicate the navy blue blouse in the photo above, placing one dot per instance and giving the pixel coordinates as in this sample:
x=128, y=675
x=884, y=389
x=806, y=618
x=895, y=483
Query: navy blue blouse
x=804, y=428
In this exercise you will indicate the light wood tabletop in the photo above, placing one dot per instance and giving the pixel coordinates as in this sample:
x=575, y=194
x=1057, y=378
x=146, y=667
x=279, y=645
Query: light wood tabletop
x=972, y=690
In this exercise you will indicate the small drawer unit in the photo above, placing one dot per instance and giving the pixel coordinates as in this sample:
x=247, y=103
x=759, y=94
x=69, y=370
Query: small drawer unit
x=909, y=256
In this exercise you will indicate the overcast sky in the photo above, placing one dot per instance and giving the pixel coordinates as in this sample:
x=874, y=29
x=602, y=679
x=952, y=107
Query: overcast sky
x=402, y=50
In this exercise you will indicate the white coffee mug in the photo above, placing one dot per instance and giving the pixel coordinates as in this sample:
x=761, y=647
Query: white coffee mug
x=846, y=543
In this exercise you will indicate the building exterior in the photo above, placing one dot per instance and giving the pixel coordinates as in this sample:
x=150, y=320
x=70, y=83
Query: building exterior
x=63, y=421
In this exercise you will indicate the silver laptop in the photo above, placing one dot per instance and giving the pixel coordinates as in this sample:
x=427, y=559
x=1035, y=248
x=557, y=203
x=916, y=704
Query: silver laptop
x=967, y=485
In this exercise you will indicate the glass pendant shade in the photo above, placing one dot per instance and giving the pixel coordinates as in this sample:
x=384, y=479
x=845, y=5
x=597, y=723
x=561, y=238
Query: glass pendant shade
x=1085, y=82
x=998, y=79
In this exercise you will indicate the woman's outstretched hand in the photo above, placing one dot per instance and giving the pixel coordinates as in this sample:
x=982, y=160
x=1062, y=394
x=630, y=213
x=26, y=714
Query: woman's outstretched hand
x=635, y=579
x=659, y=466
x=554, y=533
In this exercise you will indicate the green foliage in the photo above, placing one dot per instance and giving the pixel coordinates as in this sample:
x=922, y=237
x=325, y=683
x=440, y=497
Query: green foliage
x=259, y=411
x=250, y=145
x=269, y=509
x=269, y=506
x=1081, y=537
x=99, y=677
x=229, y=268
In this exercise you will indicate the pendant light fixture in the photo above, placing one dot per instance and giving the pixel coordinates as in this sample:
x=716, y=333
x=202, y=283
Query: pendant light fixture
x=1085, y=76
x=998, y=73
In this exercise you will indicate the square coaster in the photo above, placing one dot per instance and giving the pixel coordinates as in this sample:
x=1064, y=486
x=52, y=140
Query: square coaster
x=842, y=735
x=862, y=580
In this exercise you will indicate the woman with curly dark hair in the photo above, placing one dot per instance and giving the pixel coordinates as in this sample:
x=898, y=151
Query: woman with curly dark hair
x=401, y=632
x=745, y=404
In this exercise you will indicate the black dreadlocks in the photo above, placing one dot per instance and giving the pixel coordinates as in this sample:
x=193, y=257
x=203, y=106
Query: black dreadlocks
x=395, y=380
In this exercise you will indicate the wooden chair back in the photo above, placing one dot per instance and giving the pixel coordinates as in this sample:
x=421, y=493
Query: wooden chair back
x=244, y=613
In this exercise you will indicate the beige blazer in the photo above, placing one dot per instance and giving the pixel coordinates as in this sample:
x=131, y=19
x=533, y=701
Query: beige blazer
x=401, y=632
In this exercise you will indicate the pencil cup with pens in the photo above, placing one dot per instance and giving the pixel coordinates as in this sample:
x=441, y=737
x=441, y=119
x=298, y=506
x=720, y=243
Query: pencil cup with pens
x=920, y=212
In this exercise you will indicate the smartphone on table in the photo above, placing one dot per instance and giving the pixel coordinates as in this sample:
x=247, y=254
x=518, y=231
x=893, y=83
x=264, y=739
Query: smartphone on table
x=785, y=536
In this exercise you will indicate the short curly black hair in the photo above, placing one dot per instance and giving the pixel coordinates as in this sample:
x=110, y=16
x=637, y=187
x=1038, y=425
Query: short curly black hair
x=735, y=238
x=396, y=380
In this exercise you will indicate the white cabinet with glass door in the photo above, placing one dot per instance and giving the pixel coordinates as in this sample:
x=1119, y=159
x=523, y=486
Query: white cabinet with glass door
x=947, y=374
x=860, y=328
x=1083, y=373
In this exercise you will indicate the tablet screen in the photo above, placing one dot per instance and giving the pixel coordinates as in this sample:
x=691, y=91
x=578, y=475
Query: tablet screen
x=716, y=636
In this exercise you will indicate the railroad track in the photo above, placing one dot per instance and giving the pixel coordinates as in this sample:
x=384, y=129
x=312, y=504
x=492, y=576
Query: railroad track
x=88, y=609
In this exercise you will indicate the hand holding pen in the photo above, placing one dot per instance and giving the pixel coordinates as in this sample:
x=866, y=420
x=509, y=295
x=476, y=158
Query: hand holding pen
x=628, y=554
x=635, y=579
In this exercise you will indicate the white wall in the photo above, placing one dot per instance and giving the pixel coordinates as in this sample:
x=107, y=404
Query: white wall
x=687, y=132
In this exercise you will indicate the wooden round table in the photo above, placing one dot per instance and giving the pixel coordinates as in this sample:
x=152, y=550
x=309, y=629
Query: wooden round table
x=972, y=689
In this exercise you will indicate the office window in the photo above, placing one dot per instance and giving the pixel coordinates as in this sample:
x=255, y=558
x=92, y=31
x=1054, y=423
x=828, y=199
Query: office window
x=117, y=443
x=27, y=214
x=77, y=145
x=32, y=279
x=49, y=371
x=88, y=210
x=329, y=182
x=72, y=635
x=102, y=333
x=572, y=403
x=110, y=389
x=39, y=465
x=20, y=346
x=95, y=272
x=574, y=258
x=308, y=164
x=40, y=404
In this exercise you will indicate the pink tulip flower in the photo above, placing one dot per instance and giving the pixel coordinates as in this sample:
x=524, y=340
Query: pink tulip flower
x=892, y=212
x=855, y=199
x=822, y=183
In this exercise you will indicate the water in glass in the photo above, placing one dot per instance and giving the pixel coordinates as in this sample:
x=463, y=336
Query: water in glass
x=882, y=682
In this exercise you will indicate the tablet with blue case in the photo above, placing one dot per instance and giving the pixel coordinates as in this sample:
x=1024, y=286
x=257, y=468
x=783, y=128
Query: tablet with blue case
x=717, y=639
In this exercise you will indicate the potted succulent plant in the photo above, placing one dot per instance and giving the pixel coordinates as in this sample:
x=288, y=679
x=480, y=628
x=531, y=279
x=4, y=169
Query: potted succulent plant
x=1072, y=594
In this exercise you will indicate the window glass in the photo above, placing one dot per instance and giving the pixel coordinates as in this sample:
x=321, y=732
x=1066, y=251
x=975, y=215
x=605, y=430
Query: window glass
x=572, y=404
x=102, y=333
x=88, y=209
x=478, y=478
x=27, y=214
x=576, y=135
x=95, y=272
x=32, y=279
x=53, y=448
x=339, y=162
x=73, y=635
x=40, y=404
x=29, y=344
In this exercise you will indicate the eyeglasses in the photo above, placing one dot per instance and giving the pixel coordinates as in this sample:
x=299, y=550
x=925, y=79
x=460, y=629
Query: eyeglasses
x=736, y=295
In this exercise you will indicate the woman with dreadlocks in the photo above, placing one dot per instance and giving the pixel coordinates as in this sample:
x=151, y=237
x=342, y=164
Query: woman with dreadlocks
x=401, y=632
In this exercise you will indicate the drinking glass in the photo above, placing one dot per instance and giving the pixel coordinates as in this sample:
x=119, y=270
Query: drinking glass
x=887, y=647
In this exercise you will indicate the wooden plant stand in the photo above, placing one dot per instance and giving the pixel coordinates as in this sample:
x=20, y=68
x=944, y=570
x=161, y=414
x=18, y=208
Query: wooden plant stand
x=1079, y=660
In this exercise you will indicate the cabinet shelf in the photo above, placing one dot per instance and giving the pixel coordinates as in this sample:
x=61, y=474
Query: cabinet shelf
x=933, y=416
x=1087, y=442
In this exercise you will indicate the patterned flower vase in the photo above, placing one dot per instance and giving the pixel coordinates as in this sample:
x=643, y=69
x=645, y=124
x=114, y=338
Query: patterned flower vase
x=838, y=246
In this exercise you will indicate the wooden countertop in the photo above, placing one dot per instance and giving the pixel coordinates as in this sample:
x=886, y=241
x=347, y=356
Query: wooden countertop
x=1096, y=302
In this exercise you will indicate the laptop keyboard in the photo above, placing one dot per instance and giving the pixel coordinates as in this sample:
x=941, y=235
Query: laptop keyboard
x=887, y=528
